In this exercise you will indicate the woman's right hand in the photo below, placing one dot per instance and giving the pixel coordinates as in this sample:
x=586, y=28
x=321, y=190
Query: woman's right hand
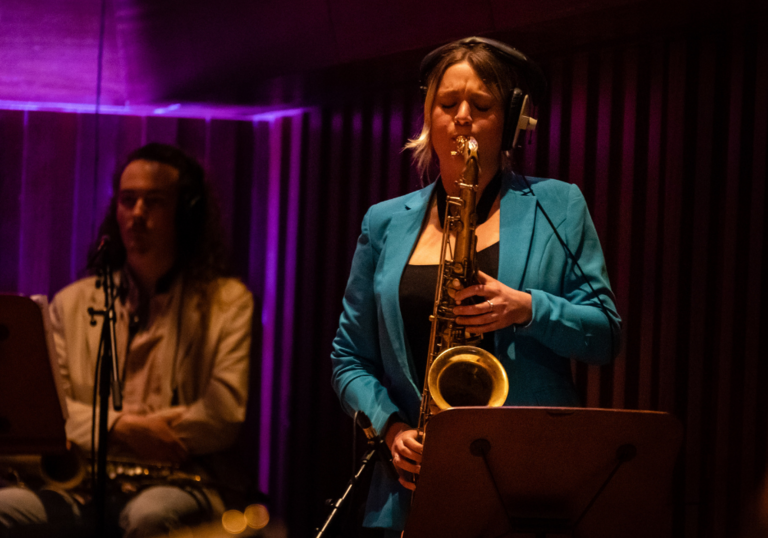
x=403, y=442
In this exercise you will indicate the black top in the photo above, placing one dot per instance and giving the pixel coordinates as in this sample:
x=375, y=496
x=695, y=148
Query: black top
x=484, y=204
x=417, y=299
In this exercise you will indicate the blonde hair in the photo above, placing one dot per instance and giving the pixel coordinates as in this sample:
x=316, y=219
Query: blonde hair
x=498, y=76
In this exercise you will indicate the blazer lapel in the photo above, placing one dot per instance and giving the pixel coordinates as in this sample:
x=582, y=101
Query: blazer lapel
x=518, y=212
x=402, y=231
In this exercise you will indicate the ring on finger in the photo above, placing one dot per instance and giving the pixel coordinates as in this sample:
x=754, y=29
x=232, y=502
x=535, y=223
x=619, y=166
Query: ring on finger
x=489, y=304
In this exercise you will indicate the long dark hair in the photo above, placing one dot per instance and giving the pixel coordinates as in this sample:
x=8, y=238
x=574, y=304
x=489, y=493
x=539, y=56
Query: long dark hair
x=202, y=253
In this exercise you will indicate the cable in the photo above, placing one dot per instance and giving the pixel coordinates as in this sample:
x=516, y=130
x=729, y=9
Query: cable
x=96, y=151
x=575, y=261
x=102, y=24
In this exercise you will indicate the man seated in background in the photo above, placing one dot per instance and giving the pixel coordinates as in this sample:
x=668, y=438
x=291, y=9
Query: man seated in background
x=183, y=339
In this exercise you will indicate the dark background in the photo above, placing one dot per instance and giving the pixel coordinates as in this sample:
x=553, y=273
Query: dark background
x=299, y=109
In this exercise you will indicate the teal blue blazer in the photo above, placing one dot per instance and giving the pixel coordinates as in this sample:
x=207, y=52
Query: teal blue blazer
x=373, y=369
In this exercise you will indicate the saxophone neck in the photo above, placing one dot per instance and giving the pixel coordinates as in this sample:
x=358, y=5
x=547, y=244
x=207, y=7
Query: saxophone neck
x=464, y=252
x=467, y=148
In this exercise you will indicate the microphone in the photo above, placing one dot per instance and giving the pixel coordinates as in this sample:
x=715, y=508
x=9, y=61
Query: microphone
x=385, y=456
x=99, y=254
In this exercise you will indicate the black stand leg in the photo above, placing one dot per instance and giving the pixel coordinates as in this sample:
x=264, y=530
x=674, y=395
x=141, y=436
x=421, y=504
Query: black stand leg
x=100, y=492
x=108, y=382
x=542, y=527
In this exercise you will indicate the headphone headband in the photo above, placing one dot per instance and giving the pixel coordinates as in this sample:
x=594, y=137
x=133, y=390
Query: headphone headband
x=526, y=68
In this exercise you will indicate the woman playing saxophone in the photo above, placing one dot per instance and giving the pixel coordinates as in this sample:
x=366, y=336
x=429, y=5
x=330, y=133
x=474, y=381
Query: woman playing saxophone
x=534, y=309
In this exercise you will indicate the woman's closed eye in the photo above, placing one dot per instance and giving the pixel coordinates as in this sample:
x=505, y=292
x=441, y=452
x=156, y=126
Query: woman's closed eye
x=479, y=106
x=482, y=103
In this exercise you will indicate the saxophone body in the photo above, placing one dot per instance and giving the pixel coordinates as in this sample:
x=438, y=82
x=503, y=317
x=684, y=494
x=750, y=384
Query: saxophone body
x=458, y=372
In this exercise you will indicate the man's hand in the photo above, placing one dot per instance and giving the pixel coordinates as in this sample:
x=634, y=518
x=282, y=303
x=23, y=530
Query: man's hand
x=149, y=437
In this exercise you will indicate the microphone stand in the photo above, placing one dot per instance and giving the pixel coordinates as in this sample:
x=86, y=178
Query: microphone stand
x=376, y=447
x=108, y=378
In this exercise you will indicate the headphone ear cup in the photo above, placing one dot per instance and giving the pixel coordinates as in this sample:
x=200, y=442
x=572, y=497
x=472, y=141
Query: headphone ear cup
x=190, y=218
x=193, y=211
x=512, y=118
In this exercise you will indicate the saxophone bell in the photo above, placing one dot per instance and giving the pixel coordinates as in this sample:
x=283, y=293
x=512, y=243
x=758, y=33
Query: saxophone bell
x=61, y=470
x=467, y=376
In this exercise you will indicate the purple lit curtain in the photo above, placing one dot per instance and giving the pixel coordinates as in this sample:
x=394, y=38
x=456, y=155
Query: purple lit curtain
x=51, y=207
x=666, y=137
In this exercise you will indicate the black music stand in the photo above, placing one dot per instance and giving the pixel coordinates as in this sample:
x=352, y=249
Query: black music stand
x=32, y=405
x=546, y=472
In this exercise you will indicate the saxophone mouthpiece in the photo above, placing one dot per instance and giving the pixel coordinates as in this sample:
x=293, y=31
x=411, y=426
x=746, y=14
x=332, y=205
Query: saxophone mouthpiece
x=465, y=145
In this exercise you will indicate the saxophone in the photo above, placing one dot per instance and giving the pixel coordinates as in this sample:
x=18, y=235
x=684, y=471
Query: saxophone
x=458, y=372
x=67, y=470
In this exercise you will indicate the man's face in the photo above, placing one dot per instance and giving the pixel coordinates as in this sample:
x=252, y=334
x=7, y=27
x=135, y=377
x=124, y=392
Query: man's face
x=146, y=215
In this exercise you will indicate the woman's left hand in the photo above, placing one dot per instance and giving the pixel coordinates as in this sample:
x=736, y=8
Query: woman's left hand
x=503, y=306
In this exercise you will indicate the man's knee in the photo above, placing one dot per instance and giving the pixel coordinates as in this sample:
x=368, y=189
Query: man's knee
x=19, y=506
x=29, y=513
x=159, y=509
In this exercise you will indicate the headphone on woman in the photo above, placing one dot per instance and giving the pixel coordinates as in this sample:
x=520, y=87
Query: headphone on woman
x=517, y=114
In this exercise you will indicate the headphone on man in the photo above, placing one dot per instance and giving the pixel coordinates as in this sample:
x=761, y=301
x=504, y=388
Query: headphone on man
x=192, y=197
x=192, y=201
x=517, y=114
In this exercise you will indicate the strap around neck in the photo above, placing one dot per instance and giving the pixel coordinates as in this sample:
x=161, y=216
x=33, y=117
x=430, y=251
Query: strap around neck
x=484, y=205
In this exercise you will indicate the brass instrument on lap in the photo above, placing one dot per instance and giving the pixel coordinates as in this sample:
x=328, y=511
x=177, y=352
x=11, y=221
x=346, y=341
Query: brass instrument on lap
x=61, y=470
x=68, y=470
x=458, y=372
